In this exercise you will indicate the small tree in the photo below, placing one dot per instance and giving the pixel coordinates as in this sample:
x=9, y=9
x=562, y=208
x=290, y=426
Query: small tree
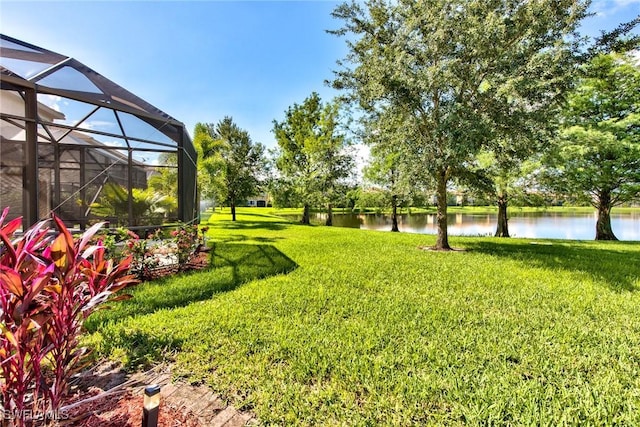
x=312, y=157
x=503, y=177
x=234, y=159
x=384, y=171
x=335, y=163
x=211, y=185
x=373, y=197
x=598, y=156
x=387, y=164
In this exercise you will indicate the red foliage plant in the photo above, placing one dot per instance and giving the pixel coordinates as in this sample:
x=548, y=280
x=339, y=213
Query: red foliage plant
x=187, y=240
x=143, y=261
x=49, y=284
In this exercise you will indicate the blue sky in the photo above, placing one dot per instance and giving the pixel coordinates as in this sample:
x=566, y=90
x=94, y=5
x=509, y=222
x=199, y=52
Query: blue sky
x=202, y=60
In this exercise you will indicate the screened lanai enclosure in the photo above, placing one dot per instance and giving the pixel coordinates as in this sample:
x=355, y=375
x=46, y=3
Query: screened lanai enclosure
x=77, y=144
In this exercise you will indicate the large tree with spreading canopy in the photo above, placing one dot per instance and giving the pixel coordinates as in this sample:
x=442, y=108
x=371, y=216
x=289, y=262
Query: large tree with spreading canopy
x=460, y=74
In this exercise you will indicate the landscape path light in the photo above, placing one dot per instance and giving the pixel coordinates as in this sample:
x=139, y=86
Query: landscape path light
x=151, y=406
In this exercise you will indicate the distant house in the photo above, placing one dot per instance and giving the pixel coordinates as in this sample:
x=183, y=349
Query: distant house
x=454, y=198
x=463, y=198
x=259, y=201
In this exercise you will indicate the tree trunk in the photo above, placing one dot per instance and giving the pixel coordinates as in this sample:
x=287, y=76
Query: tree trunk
x=394, y=213
x=329, y=221
x=603, y=225
x=233, y=210
x=306, y=215
x=503, y=225
x=442, y=242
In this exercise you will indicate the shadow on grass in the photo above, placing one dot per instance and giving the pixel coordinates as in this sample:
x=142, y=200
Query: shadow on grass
x=262, y=218
x=257, y=214
x=244, y=237
x=277, y=225
x=274, y=226
x=248, y=226
x=142, y=349
x=230, y=266
x=618, y=269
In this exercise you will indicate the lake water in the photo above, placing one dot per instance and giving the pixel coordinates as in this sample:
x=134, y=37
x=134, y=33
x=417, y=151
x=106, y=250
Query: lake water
x=551, y=225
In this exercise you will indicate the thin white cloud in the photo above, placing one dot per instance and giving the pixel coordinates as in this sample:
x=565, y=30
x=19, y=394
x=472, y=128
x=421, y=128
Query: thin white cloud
x=112, y=143
x=51, y=101
x=97, y=124
x=88, y=125
x=361, y=153
x=604, y=8
x=626, y=2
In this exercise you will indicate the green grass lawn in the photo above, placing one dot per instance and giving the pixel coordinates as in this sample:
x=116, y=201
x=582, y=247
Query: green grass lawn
x=336, y=326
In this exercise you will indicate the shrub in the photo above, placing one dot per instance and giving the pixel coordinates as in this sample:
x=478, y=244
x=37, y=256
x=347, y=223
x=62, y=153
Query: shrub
x=48, y=286
x=146, y=254
x=143, y=260
x=187, y=240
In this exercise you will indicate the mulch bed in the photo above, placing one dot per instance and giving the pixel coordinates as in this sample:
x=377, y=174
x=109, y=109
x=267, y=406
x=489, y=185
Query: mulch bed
x=199, y=262
x=123, y=408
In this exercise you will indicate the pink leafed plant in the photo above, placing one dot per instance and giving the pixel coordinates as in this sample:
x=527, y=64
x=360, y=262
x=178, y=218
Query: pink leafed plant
x=49, y=284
